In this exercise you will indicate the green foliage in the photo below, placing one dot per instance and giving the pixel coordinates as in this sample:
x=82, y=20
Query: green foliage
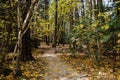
x=102, y=31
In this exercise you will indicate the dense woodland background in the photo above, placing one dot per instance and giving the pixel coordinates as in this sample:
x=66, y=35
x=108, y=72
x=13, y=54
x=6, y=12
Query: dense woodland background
x=91, y=27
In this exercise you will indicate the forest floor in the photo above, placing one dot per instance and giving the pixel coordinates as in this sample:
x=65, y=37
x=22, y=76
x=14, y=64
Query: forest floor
x=60, y=64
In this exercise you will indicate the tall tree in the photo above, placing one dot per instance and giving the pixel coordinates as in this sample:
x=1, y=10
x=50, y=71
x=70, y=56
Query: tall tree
x=23, y=28
x=71, y=19
x=56, y=22
x=17, y=70
x=46, y=19
x=94, y=9
x=82, y=9
x=26, y=40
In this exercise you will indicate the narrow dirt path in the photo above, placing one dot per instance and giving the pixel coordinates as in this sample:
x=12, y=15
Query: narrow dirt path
x=59, y=70
x=55, y=64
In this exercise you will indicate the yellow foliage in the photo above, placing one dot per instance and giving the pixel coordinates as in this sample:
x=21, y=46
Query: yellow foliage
x=81, y=26
x=119, y=76
x=31, y=27
x=9, y=77
x=105, y=27
x=94, y=25
x=1, y=76
x=36, y=74
x=100, y=14
x=118, y=41
x=119, y=8
x=118, y=34
x=26, y=73
x=38, y=30
x=106, y=16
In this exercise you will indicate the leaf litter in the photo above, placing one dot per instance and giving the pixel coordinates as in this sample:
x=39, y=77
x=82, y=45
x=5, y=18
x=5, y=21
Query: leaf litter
x=50, y=65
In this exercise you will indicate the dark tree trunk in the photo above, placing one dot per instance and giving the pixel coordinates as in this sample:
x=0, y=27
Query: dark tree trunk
x=83, y=9
x=76, y=15
x=26, y=40
x=36, y=42
x=62, y=33
x=56, y=21
x=62, y=38
x=26, y=48
x=71, y=23
x=47, y=38
x=118, y=6
x=71, y=19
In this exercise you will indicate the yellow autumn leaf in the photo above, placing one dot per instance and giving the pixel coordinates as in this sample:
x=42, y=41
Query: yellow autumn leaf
x=36, y=75
x=37, y=30
x=41, y=74
x=1, y=76
x=33, y=79
x=22, y=67
x=118, y=34
x=26, y=73
x=119, y=8
x=105, y=27
x=81, y=26
x=100, y=14
x=31, y=27
x=94, y=25
x=11, y=66
x=9, y=77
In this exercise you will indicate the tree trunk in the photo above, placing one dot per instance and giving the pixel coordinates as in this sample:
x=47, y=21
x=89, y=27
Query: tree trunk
x=46, y=18
x=26, y=48
x=56, y=21
x=62, y=33
x=94, y=12
x=17, y=67
x=26, y=40
x=71, y=19
x=23, y=42
x=71, y=24
x=76, y=15
x=83, y=9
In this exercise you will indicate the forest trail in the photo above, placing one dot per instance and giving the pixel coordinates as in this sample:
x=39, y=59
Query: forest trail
x=60, y=64
x=57, y=69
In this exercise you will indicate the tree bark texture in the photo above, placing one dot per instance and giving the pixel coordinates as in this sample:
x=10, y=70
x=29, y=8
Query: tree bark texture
x=26, y=40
